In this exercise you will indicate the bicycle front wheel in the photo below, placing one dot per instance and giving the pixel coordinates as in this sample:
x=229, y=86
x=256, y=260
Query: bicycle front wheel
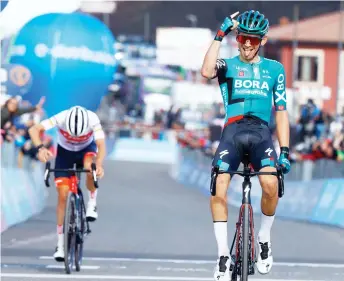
x=81, y=230
x=245, y=249
x=69, y=232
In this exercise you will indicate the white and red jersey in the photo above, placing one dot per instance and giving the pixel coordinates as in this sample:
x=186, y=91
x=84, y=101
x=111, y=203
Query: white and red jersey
x=68, y=142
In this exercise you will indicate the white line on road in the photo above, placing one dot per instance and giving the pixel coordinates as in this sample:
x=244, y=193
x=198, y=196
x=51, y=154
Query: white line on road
x=286, y=264
x=57, y=266
x=32, y=240
x=319, y=265
x=117, y=277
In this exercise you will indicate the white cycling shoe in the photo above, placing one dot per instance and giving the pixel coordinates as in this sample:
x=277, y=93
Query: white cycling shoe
x=221, y=272
x=91, y=213
x=59, y=253
x=265, y=260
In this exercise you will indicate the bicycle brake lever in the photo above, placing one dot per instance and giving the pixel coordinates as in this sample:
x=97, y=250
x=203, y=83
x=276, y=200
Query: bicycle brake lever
x=46, y=174
x=280, y=177
x=94, y=175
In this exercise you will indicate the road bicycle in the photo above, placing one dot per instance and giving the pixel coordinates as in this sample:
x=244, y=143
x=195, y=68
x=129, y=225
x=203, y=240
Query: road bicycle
x=245, y=256
x=75, y=226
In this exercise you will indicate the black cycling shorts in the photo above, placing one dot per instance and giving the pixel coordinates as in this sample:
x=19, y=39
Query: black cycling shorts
x=247, y=136
x=65, y=159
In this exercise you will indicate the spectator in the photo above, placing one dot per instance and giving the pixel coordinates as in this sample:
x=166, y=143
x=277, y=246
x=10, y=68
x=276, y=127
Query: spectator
x=10, y=110
x=310, y=113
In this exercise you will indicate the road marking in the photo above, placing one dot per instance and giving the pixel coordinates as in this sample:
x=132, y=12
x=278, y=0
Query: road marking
x=317, y=265
x=58, y=266
x=183, y=269
x=37, y=239
x=119, y=277
x=286, y=264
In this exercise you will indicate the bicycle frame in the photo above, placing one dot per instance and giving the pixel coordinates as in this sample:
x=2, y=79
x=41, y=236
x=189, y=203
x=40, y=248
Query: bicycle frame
x=74, y=181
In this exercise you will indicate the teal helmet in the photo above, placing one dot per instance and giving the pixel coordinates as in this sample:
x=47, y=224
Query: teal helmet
x=253, y=22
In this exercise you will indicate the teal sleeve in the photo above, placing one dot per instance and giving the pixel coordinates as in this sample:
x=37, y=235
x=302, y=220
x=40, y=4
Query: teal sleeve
x=279, y=91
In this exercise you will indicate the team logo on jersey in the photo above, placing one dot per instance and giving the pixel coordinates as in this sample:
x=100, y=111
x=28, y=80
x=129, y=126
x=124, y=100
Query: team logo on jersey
x=220, y=63
x=249, y=84
x=280, y=82
x=73, y=139
x=251, y=87
x=241, y=68
x=241, y=73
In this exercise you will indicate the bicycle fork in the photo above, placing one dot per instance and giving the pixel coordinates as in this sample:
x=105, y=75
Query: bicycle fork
x=80, y=206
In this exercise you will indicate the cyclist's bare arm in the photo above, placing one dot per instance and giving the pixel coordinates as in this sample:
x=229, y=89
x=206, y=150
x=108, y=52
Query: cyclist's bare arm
x=45, y=125
x=282, y=128
x=34, y=133
x=280, y=102
x=208, y=69
x=101, y=150
x=99, y=138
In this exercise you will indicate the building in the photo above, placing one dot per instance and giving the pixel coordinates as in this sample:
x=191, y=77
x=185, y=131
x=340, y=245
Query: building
x=318, y=69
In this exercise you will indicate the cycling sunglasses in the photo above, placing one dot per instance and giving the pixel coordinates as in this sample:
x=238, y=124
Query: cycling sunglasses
x=243, y=38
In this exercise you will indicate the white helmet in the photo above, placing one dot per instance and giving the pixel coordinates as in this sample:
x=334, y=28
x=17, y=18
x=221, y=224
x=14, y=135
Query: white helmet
x=77, y=121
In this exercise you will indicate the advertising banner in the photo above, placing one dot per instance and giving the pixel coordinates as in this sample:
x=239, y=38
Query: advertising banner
x=71, y=58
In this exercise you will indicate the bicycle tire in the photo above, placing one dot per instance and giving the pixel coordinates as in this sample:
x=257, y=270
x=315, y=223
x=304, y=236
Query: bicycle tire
x=79, y=245
x=245, y=244
x=69, y=233
x=236, y=269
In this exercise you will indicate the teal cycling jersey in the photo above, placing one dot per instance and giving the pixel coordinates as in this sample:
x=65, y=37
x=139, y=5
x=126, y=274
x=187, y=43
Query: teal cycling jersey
x=251, y=89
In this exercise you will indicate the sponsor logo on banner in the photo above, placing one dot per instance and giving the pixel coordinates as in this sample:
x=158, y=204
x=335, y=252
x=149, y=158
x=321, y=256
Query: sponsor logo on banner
x=20, y=75
x=82, y=53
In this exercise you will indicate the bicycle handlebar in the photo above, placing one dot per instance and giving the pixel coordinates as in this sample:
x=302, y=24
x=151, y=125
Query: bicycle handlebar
x=74, y=170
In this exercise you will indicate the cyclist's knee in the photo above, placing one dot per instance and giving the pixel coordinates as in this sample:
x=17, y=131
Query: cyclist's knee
x=62, y=185
x=88, y=160
x=269, y=186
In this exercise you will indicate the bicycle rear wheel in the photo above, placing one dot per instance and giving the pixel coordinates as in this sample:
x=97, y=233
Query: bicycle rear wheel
x=79, y=245
x=69, y=232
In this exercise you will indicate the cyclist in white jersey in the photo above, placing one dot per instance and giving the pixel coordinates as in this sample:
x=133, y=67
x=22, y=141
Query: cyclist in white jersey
x=81, y=140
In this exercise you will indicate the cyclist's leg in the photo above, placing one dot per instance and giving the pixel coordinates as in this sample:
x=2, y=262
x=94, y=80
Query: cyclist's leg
x=63, y=160
x=227, y=158
x=264, y=158
x=89, y=155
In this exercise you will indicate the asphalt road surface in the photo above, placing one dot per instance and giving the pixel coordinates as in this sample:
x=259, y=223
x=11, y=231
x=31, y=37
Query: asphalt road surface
x=152, y=228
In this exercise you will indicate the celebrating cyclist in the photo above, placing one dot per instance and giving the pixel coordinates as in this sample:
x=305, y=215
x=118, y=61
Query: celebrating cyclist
x=249, y=83
x=81, y=140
